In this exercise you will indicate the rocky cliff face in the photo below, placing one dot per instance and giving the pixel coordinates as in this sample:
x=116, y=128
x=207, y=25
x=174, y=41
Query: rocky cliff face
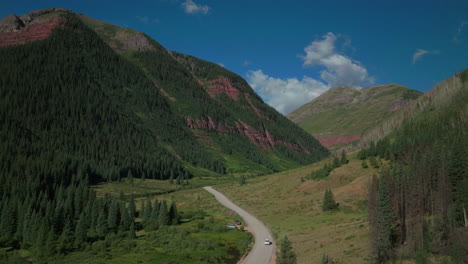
x=36, y=25
x=222, y=85
x=262, y=139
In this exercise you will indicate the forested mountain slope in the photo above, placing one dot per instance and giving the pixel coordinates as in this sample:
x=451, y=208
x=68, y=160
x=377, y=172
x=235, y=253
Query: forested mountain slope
x=417, y=207
x=343, y=115
x=221, y=109
x=83, y=101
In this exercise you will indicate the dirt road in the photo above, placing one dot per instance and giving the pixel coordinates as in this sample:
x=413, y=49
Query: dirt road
x=261, y=253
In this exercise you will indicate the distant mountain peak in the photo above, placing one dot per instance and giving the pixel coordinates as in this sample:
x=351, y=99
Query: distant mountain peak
x=343, y=114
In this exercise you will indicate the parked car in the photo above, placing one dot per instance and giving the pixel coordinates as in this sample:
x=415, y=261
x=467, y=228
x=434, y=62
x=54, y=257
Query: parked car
x=268, y=241
x=231, y=226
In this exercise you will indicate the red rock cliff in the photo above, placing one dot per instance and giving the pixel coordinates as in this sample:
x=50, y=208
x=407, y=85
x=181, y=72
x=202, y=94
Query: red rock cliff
x=262, y=139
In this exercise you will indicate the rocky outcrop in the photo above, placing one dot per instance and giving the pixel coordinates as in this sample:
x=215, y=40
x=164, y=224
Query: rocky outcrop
x=37, y=31
x=222, y=85
x=262, y=139
x=11, y=23
x=36, y=25
x=255, y=109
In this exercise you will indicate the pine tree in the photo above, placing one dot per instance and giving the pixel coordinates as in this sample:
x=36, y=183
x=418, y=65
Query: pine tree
x=66, y=239
x=286, y=254
x=113, y=217
x=80, y=231
x=101, y=225
x=163, y=214
x=336, y=163
x=385, y=222
x=125, y=219
x=50, y=244
x=131, y=232
x=173, y=214
x=148, y=210
x=132, y=209
x=329, y=201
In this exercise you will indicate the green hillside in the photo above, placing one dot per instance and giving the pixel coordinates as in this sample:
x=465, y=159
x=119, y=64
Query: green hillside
x=222, y=110
x=343, y=115
x=83, y=102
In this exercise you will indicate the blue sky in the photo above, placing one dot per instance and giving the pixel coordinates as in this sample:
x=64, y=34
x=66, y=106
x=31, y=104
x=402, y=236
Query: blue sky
x=291, y=51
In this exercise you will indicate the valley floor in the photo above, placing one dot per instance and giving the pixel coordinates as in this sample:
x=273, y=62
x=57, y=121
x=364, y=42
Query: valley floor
x=291, y=205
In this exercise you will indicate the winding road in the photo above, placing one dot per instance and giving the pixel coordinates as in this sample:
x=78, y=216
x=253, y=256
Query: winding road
x=261, y=253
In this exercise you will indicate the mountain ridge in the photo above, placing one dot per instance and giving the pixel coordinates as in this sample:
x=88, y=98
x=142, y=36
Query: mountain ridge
x=221, y=118
x=342, y=115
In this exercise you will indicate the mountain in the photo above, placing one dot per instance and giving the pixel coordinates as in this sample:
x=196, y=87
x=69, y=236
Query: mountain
x=84, y=102
x=342, y=115
x=113, y=101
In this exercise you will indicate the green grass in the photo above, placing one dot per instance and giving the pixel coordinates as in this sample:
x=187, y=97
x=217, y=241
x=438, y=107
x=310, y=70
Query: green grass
x=291, y=206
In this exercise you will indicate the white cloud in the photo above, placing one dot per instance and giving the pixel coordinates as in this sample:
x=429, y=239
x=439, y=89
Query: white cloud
x=190, y=7
x=285, y=95
x=418, y=54
x=421, y=52
x=339, y=69
x=460, y=29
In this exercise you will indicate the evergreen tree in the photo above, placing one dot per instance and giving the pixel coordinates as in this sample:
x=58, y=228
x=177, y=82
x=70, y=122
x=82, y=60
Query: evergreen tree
x=66, y=239
x=385, y=222
x=173, y=214
x=336, y=163
x=132, y=209
x=131, y=232
x=329, y=201
x=125, y=219
x=148, y=210
x=286, y=254
x=80, y=231
x=101, y=226
x=113, y=217
x=50, y=244
x=163, y=214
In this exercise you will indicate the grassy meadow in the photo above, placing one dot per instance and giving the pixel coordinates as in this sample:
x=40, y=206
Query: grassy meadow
x=291, y=205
